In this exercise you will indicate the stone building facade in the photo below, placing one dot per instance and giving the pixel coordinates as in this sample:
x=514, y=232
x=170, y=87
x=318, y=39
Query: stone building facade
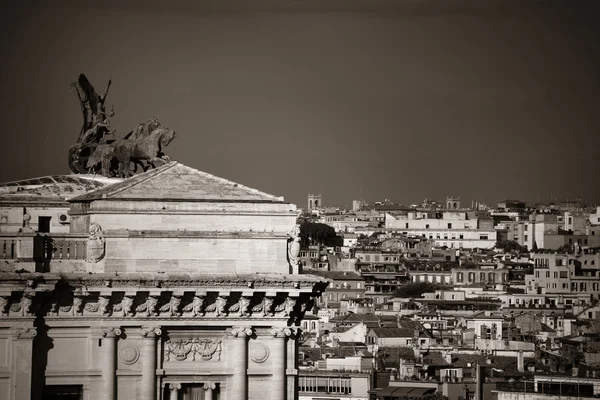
x=172, y=284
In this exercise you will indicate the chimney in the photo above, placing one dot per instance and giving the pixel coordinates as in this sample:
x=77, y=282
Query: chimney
x=520, y=362
x=448, y=357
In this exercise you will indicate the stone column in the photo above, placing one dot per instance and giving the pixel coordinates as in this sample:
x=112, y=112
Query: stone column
x=22, y=363
x=148, y=358
x=238, y=360
x=279, y=362
x=109, y=361
x=174, y=388
x=209, y=387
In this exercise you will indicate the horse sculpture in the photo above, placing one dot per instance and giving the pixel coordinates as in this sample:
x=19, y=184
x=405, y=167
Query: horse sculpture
x=146, y=148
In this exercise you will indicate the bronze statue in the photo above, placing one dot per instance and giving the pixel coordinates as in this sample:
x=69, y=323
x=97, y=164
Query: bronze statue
x=99, y=151
x=126, y=151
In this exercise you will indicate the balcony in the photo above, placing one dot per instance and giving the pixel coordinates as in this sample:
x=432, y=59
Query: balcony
x=35, y=252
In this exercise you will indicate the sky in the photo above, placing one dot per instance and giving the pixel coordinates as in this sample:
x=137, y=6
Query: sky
x=400, y=100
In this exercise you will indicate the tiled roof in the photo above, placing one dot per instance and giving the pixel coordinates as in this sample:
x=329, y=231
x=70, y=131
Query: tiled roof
x=393, y=332
x=339, y=275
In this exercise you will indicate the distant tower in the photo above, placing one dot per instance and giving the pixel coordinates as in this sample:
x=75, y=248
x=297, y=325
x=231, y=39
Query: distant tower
x=453, y=203
x=314, y=201
x=357, y=204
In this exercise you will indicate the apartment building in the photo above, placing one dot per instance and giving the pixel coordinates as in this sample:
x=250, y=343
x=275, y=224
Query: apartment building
x=455, y=229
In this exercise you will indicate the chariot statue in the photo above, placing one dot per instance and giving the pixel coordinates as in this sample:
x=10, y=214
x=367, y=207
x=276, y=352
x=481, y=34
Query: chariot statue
x=99, y=151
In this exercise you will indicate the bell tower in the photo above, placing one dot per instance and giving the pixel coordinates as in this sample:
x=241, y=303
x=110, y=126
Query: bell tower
x=314, y=201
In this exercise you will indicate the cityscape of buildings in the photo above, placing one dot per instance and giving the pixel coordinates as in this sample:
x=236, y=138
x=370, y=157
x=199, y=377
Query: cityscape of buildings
x=441, y=299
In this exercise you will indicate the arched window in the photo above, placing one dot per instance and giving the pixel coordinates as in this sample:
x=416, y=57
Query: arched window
x=313, y=325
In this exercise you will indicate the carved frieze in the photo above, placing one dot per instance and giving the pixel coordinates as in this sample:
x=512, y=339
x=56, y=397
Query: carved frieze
x=204, y=349
x=81, y=300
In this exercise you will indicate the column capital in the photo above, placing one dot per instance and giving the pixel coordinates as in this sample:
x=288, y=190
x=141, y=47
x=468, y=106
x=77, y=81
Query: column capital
x=282, y=332
x=26, y=333
x=175, y=386
x=150, y=332
x=210, y=386
x=241, y=332
x=111, y=333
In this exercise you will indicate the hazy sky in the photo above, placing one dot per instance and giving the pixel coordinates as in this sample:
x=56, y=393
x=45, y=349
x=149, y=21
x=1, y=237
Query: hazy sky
x=401, y=99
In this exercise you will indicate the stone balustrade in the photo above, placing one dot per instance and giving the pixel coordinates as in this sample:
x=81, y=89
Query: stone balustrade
x=32, y=246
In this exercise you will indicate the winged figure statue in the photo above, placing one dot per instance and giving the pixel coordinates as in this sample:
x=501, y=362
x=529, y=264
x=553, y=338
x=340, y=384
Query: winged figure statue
x=96, y=125
x=99, y=151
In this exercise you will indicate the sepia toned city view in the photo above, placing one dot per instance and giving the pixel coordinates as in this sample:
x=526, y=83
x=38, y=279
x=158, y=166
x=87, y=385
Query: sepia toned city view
x=300, y=200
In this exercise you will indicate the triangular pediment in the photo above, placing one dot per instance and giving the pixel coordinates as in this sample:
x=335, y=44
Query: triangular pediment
x=177, y=182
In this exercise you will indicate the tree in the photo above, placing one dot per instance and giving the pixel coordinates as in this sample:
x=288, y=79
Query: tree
x=566, y=248
x=313, y=233
x=435, y=396
x=510, y=246
x=416, y=289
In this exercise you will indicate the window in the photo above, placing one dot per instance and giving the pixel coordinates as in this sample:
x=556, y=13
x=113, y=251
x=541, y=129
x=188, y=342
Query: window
x=537, y=274
x=449, y=225
x=44, y=224
x=63, y=392
x=483, y=237
x=426, y=226
x=461, y=236
x=564, y=274
x=459, y=277
x=547, y=274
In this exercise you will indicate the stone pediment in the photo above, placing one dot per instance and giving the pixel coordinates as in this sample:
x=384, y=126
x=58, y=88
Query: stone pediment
x=177, y=182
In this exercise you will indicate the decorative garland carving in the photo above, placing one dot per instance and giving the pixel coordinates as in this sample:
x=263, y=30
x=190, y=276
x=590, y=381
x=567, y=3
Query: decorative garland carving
x=92, y=307
x=204, y=348
x=64, y=308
